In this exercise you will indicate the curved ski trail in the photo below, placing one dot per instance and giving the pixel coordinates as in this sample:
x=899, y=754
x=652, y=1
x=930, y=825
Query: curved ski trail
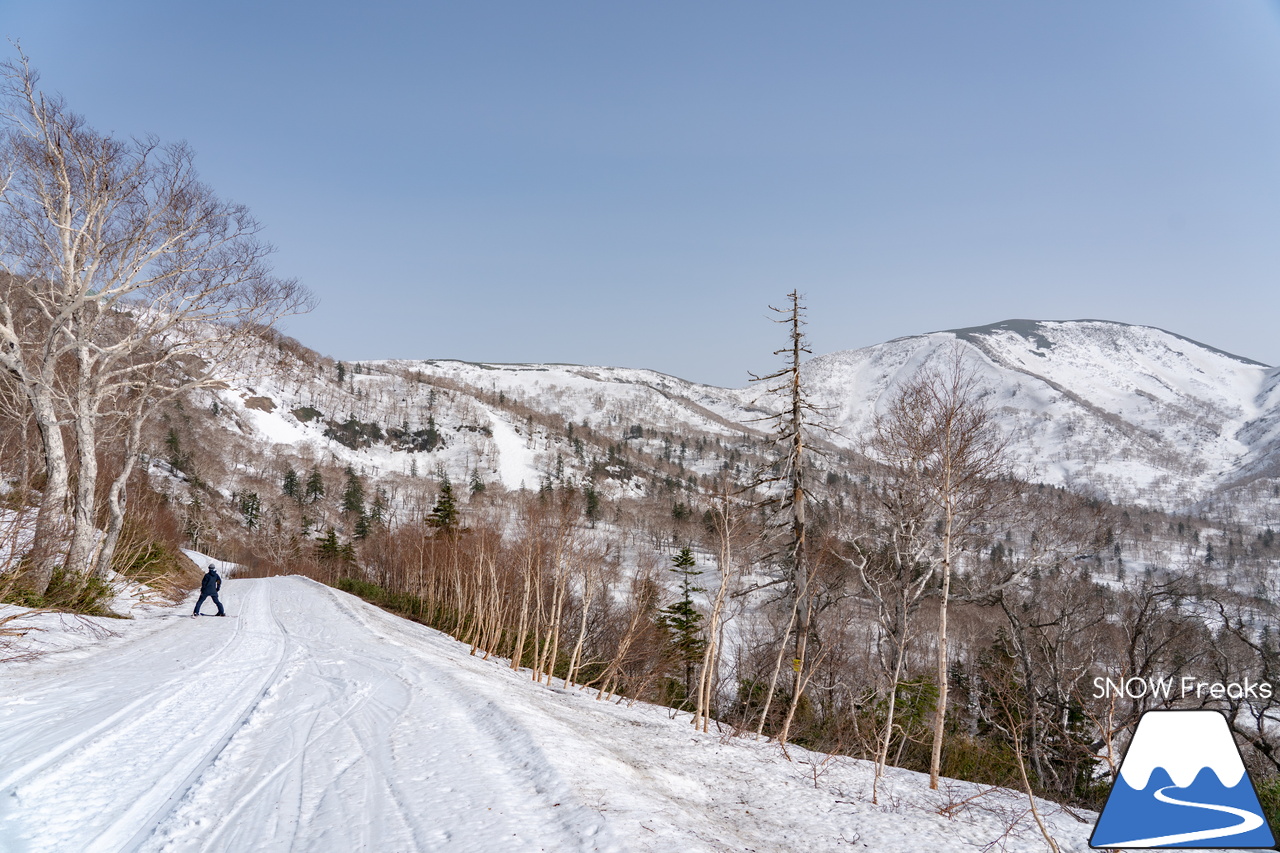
x=297, y=727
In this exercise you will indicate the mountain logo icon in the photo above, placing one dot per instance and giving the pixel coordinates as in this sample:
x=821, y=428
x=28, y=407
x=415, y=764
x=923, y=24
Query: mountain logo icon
x=1182, y=785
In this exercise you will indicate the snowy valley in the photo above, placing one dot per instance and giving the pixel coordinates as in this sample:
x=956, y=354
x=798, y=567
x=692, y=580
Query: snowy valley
x=446, y=491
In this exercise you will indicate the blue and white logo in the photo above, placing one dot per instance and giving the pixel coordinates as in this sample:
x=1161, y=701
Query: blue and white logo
x=1182, y=784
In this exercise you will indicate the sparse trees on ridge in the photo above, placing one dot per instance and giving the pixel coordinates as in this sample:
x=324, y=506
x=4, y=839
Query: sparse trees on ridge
x=127, y=282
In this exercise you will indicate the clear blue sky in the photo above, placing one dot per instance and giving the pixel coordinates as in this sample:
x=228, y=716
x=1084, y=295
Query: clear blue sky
x=632, y=183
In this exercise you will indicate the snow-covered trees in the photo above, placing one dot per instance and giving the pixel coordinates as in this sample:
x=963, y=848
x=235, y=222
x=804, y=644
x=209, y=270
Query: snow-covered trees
x=126, y=281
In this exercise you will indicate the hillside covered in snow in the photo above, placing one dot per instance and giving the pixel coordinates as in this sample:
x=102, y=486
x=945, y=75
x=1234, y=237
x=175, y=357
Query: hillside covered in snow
x=541, y=513
x=1128, y=413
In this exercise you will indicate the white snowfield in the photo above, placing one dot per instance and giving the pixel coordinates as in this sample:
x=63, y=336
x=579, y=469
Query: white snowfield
x=310, y=721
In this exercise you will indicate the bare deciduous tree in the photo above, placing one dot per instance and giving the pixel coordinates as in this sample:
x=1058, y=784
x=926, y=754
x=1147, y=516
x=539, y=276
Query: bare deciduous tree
x=129, y=282
x=728, y=521
x=947, y=461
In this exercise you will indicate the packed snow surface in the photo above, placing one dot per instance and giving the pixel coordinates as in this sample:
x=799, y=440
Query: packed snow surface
x=517, y=463
x=310, y=721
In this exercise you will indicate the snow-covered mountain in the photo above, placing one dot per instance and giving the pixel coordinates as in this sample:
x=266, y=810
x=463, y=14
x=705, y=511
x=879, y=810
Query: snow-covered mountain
x=1130, y=413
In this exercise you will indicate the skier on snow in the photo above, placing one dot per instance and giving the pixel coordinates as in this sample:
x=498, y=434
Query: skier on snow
x=209, y=589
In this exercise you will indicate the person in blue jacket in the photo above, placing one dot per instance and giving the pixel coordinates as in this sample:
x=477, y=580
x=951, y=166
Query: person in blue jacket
x=209, y=589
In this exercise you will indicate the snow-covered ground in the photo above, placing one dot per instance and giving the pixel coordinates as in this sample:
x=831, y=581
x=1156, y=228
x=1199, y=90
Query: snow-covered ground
x=517, y=463
x=310, y=721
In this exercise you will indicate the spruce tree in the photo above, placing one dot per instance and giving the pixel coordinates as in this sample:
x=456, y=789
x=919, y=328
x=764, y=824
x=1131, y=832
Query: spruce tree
x=378, y=510
x=682, y=620
x=591, y=503
x=353, y=495
x=432, y=437
x=251, y=508
x=329, y=548
x=444, y=516
x=174, y=446
x=292, y=485
x=315, y=486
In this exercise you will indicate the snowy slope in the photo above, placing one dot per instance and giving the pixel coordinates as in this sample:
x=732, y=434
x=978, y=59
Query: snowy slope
x=1130, y=413
x=618, y=395
x=1127, y=412
x=310, y=721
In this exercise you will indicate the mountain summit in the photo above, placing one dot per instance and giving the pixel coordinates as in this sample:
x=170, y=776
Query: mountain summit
x=1126, y=412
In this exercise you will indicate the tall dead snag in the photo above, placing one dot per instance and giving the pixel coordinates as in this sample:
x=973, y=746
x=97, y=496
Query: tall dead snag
x=128, y=283
x=947, y=463
x=789, y=481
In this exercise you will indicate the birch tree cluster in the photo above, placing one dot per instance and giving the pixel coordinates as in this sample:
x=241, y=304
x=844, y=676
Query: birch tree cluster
x=124, y=283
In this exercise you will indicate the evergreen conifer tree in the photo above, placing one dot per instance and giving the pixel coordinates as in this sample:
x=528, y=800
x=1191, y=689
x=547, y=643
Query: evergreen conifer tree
x=444, y=515
x=378, y=510
x=432, y=437
x=174, y=446
x=251, y=508
x=363, y=526
x=292, y=485
x=682, y=620
x=329, y=548
x=315, y=486
x=353, y=495
x=591, y=503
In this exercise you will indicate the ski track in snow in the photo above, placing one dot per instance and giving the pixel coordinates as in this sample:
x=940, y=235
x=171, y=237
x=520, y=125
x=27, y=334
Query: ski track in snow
x=517, y=463
x=288, y=727
x=312, y=721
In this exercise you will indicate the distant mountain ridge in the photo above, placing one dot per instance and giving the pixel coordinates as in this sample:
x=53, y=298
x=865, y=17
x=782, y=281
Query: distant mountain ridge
x=1031, y=329
x=1124, y=412
x=1127, y=412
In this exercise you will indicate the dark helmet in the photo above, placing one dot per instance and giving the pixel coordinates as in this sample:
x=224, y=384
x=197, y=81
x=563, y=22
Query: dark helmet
x=211, y=567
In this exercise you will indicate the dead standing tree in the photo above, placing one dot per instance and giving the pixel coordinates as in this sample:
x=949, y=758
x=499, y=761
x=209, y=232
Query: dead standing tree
x=129, y=283
x=789, y=479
